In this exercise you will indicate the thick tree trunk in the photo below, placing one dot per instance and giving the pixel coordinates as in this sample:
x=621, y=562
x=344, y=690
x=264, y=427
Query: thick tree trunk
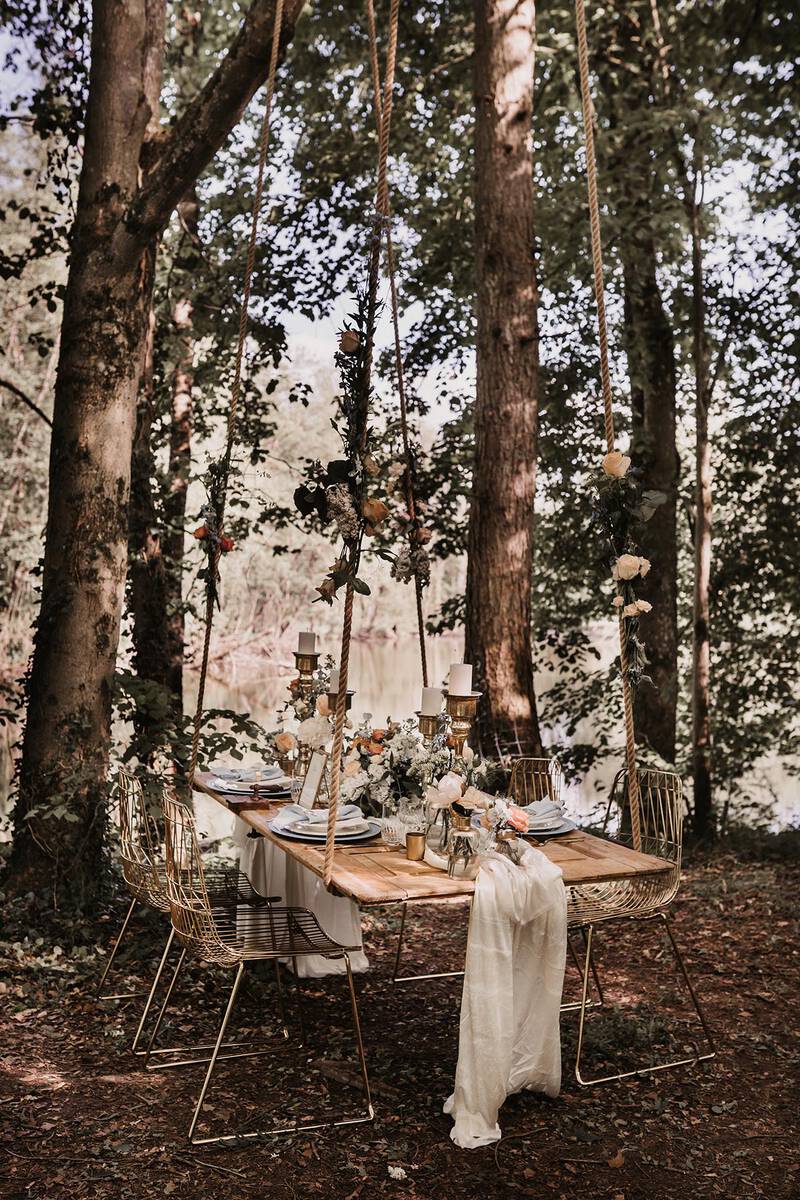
x=60, y=813
x=500, y=540
x=123, y=204
x=701, y=648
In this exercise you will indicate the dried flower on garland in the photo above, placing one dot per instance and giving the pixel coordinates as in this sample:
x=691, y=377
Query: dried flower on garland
x=342, y=492
x=212, y=537
x=619, y=509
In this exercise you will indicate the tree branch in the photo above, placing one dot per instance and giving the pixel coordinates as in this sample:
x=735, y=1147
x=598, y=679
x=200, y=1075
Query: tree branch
x=31, y=404
x=207, y=121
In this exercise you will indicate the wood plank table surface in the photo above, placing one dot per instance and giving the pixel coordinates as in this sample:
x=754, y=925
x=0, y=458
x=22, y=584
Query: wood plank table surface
x=373, y=873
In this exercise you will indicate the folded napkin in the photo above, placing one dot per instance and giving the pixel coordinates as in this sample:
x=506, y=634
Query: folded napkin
x=542, y=813
x=343, y=825
x=267, y=771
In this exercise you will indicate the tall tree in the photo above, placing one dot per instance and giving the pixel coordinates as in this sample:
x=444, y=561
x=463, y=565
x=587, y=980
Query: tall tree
x=627, y=72
x=128, y=189
x=500, y=538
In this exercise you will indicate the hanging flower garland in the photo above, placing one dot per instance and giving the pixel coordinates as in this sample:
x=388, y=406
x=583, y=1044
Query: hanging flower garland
x=357, y=494
x=619, y=508
x=210, y=533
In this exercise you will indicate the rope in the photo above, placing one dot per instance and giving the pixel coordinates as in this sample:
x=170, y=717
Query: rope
x=605, y=379
x=382, y=208
x=237, y=374
x=398, y=350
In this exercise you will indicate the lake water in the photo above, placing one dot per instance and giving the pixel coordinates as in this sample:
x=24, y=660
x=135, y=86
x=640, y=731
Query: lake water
x=386, y=676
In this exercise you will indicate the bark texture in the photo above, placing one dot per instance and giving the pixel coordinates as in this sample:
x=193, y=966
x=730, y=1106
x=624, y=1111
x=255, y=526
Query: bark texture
x=125, y=199
x=650, y=349
x=701, y=646
x=500, y=539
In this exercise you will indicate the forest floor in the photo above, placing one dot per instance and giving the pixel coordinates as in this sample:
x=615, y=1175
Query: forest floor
x=80, y=1118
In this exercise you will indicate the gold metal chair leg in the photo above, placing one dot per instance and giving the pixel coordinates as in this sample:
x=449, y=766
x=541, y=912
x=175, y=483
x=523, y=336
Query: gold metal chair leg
x=113, y=955
x=415, y=978
x=655, y=1068
x=152, y=992
x=574, y=1006
x=164, y=1005
x=213, y=1060
x=281, y=1005
x=369, y=1114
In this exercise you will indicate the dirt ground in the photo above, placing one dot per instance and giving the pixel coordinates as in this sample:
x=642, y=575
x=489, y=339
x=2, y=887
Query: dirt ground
x=80, y=1117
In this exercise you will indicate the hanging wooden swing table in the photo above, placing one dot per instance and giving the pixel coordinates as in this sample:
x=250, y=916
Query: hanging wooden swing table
x=379, y=874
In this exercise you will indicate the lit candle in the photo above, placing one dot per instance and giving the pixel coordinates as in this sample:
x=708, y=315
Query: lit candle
x=431, y=702
x=333, y=686
x=306, y=643
x=460, y=679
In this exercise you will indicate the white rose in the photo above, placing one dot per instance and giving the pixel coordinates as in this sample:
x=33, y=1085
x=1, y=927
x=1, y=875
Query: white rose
x=628, y=566
x=468, y=754
x=616, y=464
x=451, y=785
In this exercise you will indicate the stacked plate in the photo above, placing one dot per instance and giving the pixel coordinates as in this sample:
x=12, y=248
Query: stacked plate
x=303, y=825
x=546, y=820
x=267, y=778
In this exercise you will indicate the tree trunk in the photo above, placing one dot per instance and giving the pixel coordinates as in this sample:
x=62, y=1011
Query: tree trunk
x=651, y=364
x=701, y=647
x=650, y=349
x=123, y=204
x=500, y=539
x=60, y=813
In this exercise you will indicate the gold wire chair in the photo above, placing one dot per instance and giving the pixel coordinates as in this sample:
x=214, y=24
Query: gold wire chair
x=232, y=938
x=638, y=899
x=144, y=872
x=535, y=779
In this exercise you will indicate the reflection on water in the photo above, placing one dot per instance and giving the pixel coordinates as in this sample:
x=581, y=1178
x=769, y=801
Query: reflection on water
x=386, y=676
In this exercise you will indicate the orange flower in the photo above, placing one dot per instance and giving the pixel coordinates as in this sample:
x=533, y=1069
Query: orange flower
x=201, y=532
x=374, y=511
x=284, y=742
x=374, y=748
x=226, y=543
x=517, y=819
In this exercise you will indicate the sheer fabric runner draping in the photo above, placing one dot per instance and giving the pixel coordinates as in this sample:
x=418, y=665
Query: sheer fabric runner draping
x=509, y=1037
x=273, y=873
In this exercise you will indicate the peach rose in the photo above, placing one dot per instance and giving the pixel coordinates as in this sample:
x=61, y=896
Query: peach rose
x=618, y=602
x=323, y=706
x=628, y=566
x=644, y=566
x=637, y=608
x=374, y=511
x=517, y=819
x=616, y=464
x=285, y=742
x=352, y=768
x=349, y=341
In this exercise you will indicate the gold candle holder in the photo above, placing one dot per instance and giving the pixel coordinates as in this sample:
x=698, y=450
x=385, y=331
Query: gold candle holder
x=429, y=725
x=415, y=847
x=306, y=666
x=334, y=696
x=461, y=710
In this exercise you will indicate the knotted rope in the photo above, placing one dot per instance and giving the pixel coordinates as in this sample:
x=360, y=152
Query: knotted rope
x=398, y=349
x=605, y=380
x=381, y=211
x=214, y=557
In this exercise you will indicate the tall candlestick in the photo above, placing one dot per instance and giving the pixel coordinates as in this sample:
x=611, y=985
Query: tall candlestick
x=306, y=643
x=460, y=683
x=431, y=702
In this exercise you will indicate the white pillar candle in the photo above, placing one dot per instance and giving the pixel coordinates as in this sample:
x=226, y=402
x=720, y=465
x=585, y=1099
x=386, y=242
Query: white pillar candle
x=431, y=702
x=333, y=686
x=460, y=679
x=307, y=643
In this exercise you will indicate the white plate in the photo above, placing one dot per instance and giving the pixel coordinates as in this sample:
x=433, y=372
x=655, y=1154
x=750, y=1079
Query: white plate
x=341, y=838
x=564, y=826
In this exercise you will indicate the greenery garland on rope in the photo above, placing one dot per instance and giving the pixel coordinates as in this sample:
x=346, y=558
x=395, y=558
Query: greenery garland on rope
x=345, y=491
x=619, y=508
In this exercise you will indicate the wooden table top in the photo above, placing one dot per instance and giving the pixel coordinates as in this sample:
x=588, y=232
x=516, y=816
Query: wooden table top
x=373, y=873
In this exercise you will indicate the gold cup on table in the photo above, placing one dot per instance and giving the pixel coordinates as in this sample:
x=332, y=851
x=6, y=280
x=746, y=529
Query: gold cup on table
x=415, y=846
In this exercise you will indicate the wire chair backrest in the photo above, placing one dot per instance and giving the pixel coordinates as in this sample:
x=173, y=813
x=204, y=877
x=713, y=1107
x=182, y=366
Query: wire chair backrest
x=139, y=842
x=660, y=811
x=189, y=902
x=535, y=779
